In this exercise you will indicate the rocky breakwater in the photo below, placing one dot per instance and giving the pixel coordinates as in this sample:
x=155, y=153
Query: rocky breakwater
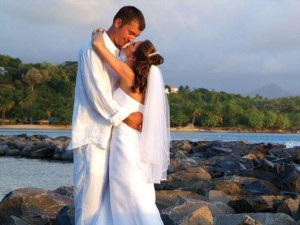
x=36, y=147
x=215, y=182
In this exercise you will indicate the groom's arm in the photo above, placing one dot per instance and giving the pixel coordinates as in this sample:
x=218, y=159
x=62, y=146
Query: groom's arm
x=95, y=83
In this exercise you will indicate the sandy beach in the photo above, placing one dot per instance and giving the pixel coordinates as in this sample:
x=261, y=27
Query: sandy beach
x=173, y=129
x=64, y=127
x=35, y=127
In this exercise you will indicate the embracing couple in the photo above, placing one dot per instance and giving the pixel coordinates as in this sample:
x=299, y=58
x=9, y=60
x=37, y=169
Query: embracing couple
x=120, y=128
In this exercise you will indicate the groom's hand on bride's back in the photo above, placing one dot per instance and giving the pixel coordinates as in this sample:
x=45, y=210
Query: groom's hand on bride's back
x=135, y=120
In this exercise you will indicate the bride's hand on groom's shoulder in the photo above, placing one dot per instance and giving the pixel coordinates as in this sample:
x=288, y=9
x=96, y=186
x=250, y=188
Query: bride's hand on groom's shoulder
x=97, y=37
x=97, y=30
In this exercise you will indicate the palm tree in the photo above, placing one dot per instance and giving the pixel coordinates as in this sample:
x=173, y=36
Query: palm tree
x=5, y=106
x=196, y=113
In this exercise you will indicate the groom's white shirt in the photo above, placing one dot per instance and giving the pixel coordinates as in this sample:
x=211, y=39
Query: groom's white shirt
x=95, y=111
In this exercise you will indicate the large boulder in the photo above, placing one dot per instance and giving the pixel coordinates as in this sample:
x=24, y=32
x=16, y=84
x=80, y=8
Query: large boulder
x=33, y=205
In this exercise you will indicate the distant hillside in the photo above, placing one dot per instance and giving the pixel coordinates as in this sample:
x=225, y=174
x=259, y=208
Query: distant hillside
x=270, y=91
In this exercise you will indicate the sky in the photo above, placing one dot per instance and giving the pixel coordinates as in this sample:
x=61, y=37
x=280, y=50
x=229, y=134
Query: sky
x=236, y=46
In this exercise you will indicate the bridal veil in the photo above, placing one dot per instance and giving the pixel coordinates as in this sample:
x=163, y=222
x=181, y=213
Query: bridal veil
x=155, y=135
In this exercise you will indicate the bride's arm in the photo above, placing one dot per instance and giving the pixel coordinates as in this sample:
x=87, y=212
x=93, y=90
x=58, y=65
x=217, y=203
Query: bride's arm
x=117, y=65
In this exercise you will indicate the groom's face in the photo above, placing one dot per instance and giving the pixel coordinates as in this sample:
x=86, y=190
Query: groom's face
x=127, y=32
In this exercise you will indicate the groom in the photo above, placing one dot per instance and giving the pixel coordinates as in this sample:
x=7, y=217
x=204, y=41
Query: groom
x=94, y=115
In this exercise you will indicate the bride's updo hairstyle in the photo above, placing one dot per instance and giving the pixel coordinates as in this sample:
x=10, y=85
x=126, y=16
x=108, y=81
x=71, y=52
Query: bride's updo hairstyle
x=145, y=56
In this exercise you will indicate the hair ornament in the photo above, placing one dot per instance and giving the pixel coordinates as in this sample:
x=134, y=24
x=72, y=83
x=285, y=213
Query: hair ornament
x=153, y=54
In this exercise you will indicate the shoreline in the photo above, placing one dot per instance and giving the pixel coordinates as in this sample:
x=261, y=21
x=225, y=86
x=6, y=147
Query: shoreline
x=34, y=127
x=172, y=129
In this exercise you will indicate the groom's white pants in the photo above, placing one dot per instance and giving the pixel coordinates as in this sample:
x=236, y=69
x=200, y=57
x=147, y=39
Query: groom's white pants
x=91, y=189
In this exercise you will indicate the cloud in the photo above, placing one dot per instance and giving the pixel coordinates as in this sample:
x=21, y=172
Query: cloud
x=272, y=66
x=206, y=43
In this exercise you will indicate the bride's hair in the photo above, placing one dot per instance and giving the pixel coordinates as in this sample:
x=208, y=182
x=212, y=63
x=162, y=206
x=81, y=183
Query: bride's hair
x=146, y=56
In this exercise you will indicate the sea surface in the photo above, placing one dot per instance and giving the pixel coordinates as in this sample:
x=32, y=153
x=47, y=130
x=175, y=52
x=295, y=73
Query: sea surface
x=21, y=172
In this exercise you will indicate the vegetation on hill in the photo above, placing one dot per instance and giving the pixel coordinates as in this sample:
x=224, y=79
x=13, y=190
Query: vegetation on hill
x=204, y=108
x=43, y=91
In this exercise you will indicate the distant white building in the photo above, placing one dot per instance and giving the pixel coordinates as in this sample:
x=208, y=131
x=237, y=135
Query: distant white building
x=171, y=90
x=2, y=71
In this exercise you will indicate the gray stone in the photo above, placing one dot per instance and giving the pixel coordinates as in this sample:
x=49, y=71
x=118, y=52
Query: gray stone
x=263, y=218
x=66, y=216
x=13, y=220
x=217, y=196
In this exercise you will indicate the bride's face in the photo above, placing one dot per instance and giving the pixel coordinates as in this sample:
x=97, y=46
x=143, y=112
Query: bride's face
x=130, y=49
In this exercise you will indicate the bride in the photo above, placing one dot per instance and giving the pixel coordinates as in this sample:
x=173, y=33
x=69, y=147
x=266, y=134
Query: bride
x=137, y=159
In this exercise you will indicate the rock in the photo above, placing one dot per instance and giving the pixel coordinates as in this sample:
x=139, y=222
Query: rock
x=168, y=198
x=187, y=209
x=264, y=203
x=181, y=145
x=13, y=152
x=42, y=153
x=36, y=146
x=290, y=207
x=61, y=142
x=66, y=216
x=263, y=218
x=247, y=220
x=65, y=191
x=217, y=196
x=206, y=179
x=201, y=216
x=34, y=205
x=187, y=177
x=13, y=220
x=3, y=148
x=222, y=150
x=67, y=155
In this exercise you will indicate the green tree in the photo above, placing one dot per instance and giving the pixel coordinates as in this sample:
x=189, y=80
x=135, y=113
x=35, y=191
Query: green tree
x=196, y=113
x=33, y=77
x=212, y=120
x=282, y=122
x=255, y=118
x=269, y=119
x=5, y=106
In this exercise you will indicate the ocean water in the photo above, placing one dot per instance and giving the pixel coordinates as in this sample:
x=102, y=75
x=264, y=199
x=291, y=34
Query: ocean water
x=20, y=172
x=289, y=140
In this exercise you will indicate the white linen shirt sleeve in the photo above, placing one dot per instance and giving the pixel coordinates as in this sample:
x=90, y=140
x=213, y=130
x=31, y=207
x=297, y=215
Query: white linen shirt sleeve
x=97, y=87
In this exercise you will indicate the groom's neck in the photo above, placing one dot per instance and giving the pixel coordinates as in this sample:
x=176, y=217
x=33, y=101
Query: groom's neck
x=112, y=35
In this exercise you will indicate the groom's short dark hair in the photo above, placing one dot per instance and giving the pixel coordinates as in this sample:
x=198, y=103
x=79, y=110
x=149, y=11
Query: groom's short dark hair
x=129, y=14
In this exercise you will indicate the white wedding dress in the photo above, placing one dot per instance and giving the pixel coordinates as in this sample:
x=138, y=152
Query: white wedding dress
x=132, y=198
